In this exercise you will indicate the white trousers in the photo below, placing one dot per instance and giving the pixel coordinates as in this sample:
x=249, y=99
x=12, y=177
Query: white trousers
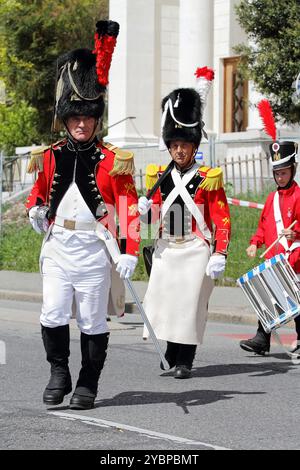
x=76, y=270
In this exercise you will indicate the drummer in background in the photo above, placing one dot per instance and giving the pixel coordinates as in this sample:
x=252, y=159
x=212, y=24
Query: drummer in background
x=281, y=209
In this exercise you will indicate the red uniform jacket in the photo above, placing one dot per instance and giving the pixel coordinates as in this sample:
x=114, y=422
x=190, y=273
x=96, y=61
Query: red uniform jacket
x=99, y=189
x=216, y=210
x=289, y=202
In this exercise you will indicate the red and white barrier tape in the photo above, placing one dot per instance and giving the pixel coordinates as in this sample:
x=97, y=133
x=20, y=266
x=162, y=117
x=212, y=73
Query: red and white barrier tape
x=238, y=202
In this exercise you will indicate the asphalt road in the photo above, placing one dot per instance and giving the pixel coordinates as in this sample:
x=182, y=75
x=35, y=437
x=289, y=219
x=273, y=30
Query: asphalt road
x=234, y=400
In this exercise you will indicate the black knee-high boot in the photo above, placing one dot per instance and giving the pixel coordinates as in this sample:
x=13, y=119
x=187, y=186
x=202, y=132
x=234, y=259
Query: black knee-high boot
x=93, y=353
x=57, y=345
x=184, y=361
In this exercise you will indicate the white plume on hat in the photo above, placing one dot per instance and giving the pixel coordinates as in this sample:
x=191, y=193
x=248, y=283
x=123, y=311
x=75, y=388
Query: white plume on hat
x=204, y=80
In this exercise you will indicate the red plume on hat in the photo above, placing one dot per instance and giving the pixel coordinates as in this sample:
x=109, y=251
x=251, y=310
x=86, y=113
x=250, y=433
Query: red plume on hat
x=105, y=41
x=283, y=154
x=267, y=116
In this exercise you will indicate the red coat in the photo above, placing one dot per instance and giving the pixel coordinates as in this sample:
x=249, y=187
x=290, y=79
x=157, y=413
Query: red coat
x=216, y=209
x=118, y=192
x=289, y=201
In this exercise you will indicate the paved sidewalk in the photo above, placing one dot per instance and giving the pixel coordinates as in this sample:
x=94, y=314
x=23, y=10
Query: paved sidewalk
x=227, y=304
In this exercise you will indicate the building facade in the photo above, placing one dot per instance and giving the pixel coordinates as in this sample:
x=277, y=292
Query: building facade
x=160, y=45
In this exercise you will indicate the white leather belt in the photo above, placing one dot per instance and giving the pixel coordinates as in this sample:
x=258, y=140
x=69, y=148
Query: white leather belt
x=175, y=239
x=73, y=224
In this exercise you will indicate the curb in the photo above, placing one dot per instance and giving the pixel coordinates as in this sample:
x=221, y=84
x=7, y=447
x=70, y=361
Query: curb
x=214, y=314
x=20, y=295
x=23, y=296
x=234, y=318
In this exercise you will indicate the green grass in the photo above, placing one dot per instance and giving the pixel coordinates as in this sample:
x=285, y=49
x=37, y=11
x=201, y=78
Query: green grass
x=244, y=222
x=20, y=246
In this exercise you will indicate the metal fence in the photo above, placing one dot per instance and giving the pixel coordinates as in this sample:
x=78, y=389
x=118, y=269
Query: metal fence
x=241, y=174
x=15, y=177
x=246, y=174
x=245, y=165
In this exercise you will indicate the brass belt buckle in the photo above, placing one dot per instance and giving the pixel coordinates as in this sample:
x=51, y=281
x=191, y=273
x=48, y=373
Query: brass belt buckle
x=69, y=224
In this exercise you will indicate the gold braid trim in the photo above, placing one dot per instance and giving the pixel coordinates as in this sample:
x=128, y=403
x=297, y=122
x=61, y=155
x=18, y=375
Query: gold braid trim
x=123, y=163
x=213, y=179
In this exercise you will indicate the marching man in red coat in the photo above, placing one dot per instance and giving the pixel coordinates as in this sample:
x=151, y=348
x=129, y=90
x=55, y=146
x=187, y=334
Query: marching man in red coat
x=281, y=209
x=81, y=183
x=189, y=252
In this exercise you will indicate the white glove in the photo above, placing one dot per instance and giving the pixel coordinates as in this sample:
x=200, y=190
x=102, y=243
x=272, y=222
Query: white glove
x=144, y=205
x=38, y=219
x=216, y=266
x=126, y=266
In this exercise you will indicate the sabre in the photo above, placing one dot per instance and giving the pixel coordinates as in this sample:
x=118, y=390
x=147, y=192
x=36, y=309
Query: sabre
x=147, y=323
x=114, y=251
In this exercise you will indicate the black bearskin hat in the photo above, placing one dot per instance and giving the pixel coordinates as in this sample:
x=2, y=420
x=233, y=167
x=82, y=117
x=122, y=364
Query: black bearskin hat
x=83, y=76
x=182, y=116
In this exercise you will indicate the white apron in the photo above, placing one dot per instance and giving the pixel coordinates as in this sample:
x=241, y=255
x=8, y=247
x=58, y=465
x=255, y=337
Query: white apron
x=177, y=297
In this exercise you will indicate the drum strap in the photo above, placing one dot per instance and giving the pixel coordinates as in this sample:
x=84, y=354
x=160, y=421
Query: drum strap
x=280, y=226
x=279, y=223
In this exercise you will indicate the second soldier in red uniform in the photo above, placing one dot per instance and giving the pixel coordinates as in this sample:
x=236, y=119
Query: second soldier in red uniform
x=193, y=237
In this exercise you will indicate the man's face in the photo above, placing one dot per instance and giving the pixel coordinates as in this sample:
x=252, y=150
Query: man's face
x=182, y=153
x=81, y=128
x=283, y=176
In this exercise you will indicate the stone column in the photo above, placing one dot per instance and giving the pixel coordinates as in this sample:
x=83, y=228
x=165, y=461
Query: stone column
x=132, y=73
x=196, y=44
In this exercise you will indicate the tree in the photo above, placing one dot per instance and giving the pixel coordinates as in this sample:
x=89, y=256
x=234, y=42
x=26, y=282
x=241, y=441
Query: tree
x=18, y=126
x=32, y=35
x=272, y=57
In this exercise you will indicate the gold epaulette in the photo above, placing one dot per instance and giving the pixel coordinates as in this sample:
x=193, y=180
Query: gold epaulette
x=36, y=162
x=152, y=174
x=213, y=179
x=123, y=163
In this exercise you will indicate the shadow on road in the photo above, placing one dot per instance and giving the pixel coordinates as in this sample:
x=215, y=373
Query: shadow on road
x=258, y=370
x=184, y=399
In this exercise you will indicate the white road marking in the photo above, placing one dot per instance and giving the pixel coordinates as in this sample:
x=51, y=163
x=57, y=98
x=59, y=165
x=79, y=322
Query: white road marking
x=147, y=432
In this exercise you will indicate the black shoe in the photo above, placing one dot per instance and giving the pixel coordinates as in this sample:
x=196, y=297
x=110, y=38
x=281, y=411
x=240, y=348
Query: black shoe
x=82, y=399
x=182, y=372
x=55, y=396
x=258, y=345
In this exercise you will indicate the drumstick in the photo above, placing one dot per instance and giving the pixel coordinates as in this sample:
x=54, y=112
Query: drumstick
x=277, y=240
